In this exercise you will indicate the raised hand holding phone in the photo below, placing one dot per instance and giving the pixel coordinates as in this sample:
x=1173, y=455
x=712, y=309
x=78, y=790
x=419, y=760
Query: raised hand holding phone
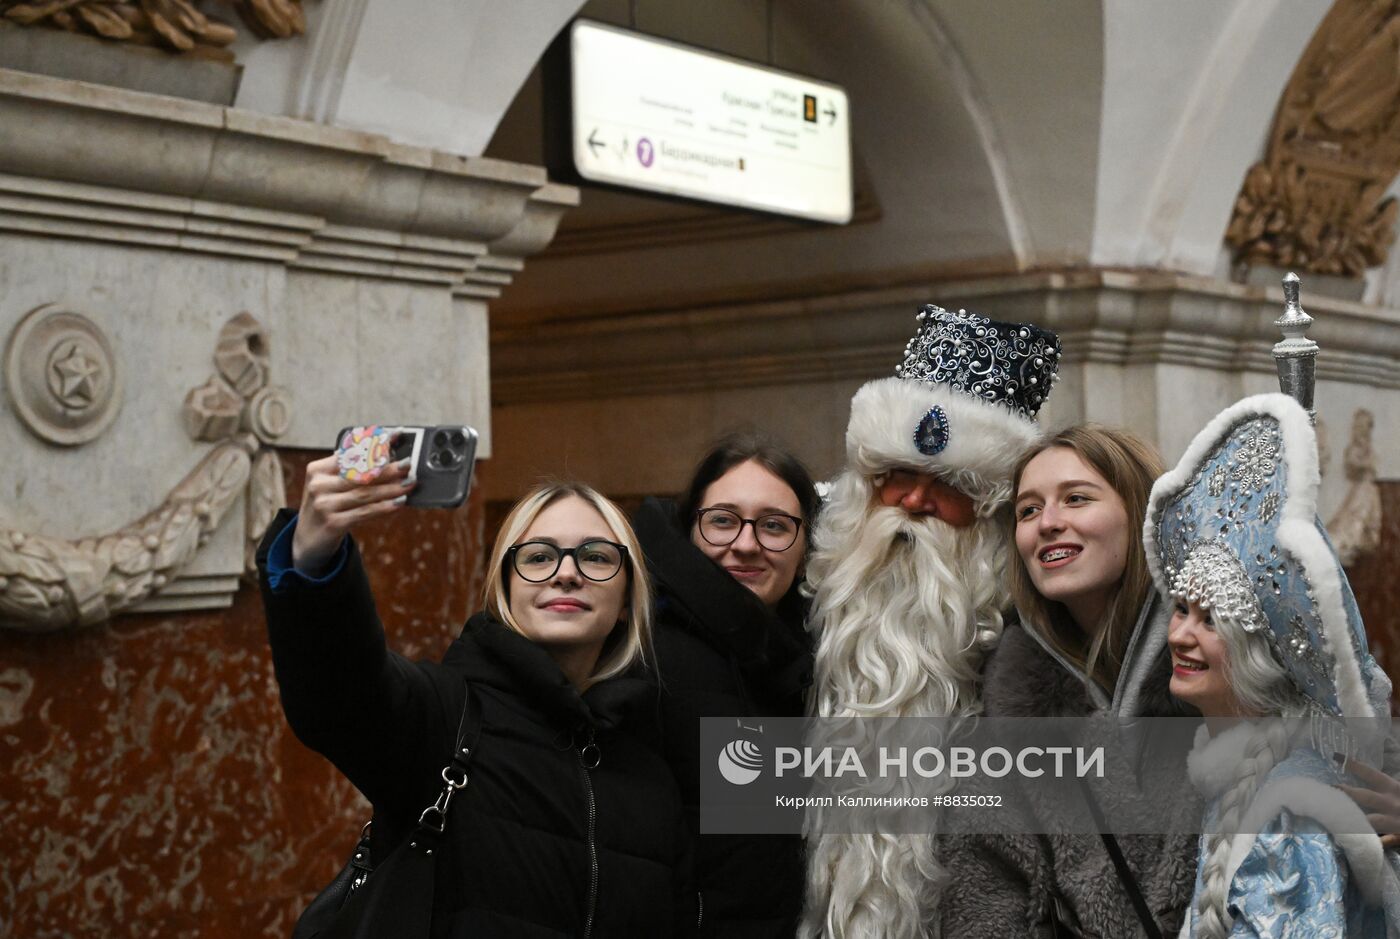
x=376, y=470
x=358, y=482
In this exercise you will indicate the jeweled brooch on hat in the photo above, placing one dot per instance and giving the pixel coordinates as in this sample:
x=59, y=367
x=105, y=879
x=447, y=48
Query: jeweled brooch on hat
x=931, y=436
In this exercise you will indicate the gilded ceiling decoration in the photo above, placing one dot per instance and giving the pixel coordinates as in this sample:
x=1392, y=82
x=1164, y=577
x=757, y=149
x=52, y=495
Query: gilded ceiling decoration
x=179, y=26
x=1316, y=202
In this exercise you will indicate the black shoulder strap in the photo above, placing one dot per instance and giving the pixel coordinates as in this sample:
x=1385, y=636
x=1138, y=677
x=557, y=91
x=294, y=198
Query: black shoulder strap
x=1120, y=866
x=468, y=727
x=1129, y=882
x=454, y=774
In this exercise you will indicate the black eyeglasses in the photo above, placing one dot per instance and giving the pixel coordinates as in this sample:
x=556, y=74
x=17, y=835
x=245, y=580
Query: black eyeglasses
x=537, y=561
x=721, y=527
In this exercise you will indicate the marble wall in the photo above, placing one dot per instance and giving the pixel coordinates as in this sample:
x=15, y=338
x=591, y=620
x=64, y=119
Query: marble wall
x=1377, y=590
x=152, y=784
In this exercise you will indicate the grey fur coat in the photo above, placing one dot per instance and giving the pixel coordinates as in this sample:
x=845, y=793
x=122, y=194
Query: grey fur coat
x=1010, y=885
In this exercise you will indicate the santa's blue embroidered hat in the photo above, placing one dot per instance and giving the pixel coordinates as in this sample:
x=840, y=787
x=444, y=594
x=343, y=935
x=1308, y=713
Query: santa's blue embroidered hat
x=961, y=405
x=1234, y=527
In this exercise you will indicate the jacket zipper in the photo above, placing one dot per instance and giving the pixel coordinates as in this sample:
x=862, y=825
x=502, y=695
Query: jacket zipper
x=592, y=834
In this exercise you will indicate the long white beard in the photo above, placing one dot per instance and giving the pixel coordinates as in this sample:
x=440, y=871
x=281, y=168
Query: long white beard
x=905, y=610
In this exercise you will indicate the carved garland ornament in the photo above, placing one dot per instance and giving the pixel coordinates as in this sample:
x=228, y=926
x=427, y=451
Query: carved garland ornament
x=1316, y=201
x=49, y=583
x=174, y=25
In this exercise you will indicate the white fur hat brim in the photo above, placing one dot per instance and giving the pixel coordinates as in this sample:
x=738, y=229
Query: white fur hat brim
x=984, y=440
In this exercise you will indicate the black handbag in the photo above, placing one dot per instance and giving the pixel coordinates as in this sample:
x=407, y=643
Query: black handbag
x=395, y=897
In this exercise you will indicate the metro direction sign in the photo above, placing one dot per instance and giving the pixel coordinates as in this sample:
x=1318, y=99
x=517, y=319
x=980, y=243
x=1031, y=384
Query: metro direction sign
x=645, y=113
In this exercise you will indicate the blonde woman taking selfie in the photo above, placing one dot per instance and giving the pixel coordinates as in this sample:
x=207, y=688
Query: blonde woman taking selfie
x=568, y=825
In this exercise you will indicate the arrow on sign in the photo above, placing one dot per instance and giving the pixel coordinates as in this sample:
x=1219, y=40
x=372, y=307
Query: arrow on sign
x=593, y=142
x=831, y=113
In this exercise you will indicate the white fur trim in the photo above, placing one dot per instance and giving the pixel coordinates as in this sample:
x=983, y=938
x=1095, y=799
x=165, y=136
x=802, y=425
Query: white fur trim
x=1330, y=808
x=1297, y=531
x=984, y=439
x=1214, y=761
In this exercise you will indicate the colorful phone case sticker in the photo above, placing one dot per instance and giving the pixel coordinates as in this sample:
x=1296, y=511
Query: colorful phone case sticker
x=364, y=452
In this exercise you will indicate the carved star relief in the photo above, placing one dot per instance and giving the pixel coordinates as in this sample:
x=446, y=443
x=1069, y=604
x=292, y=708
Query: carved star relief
x=74, y=377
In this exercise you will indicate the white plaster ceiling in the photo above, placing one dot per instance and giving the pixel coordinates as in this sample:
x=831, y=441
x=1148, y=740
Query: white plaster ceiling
x=990, y=136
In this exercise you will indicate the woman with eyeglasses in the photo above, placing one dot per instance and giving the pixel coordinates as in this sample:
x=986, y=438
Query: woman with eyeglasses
x=570, y=825
x=730, y=641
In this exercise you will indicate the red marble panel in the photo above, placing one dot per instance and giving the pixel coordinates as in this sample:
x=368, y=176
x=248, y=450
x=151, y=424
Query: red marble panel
x=151, y=785
x=1377, y=588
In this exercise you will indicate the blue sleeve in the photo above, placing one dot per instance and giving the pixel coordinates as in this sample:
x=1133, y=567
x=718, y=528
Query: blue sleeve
x=1290, y=885
x=282, y=574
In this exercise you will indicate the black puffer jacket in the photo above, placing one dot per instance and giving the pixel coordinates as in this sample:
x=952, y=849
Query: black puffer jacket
x=538, y=845
x=722, y=653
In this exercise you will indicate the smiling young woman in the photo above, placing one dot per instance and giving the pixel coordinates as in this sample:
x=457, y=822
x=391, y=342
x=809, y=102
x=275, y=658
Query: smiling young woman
x=1200, y=664
x=730, y=641
x=1267, y=642
x=1091, y=639
x=1083, y=580
x=571, y=825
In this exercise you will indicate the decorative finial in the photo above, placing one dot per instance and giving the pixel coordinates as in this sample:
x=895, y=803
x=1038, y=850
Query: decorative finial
x=1295, y=355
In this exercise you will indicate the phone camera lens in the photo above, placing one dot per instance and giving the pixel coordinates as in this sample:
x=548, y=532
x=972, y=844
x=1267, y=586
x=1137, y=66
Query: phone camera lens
x=458, y=441
x=444, y=459
x=440, y=439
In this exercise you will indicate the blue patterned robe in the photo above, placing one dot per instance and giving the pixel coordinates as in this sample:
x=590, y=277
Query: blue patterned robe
x=1295, y=881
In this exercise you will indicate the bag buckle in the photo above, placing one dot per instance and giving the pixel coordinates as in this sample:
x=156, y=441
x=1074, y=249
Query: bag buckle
x=439, y=808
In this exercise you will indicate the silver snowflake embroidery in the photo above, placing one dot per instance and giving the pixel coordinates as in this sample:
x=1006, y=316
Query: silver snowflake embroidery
x=1268, y=508
x=1299, y=643
x=1256, y=458
x=1216, y=484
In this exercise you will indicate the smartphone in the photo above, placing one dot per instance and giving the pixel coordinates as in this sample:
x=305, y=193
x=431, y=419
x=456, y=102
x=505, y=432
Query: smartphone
x=442, y=460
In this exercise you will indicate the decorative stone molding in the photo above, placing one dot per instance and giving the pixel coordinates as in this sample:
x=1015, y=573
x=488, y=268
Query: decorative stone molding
x=177, y=26
x=239, y=399
x=1103, y=317
x=221, y=158
x=1356, y=526
x=241, y=355
x=346, y=202
x=350, y=247
x=61, y=376
x=212, y=411
x=268, y=413
x=266, y=494
x=1316, y=202
x=49, y=583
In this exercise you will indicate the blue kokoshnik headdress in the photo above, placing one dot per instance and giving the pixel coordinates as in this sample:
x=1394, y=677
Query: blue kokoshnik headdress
x=1234, y=527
